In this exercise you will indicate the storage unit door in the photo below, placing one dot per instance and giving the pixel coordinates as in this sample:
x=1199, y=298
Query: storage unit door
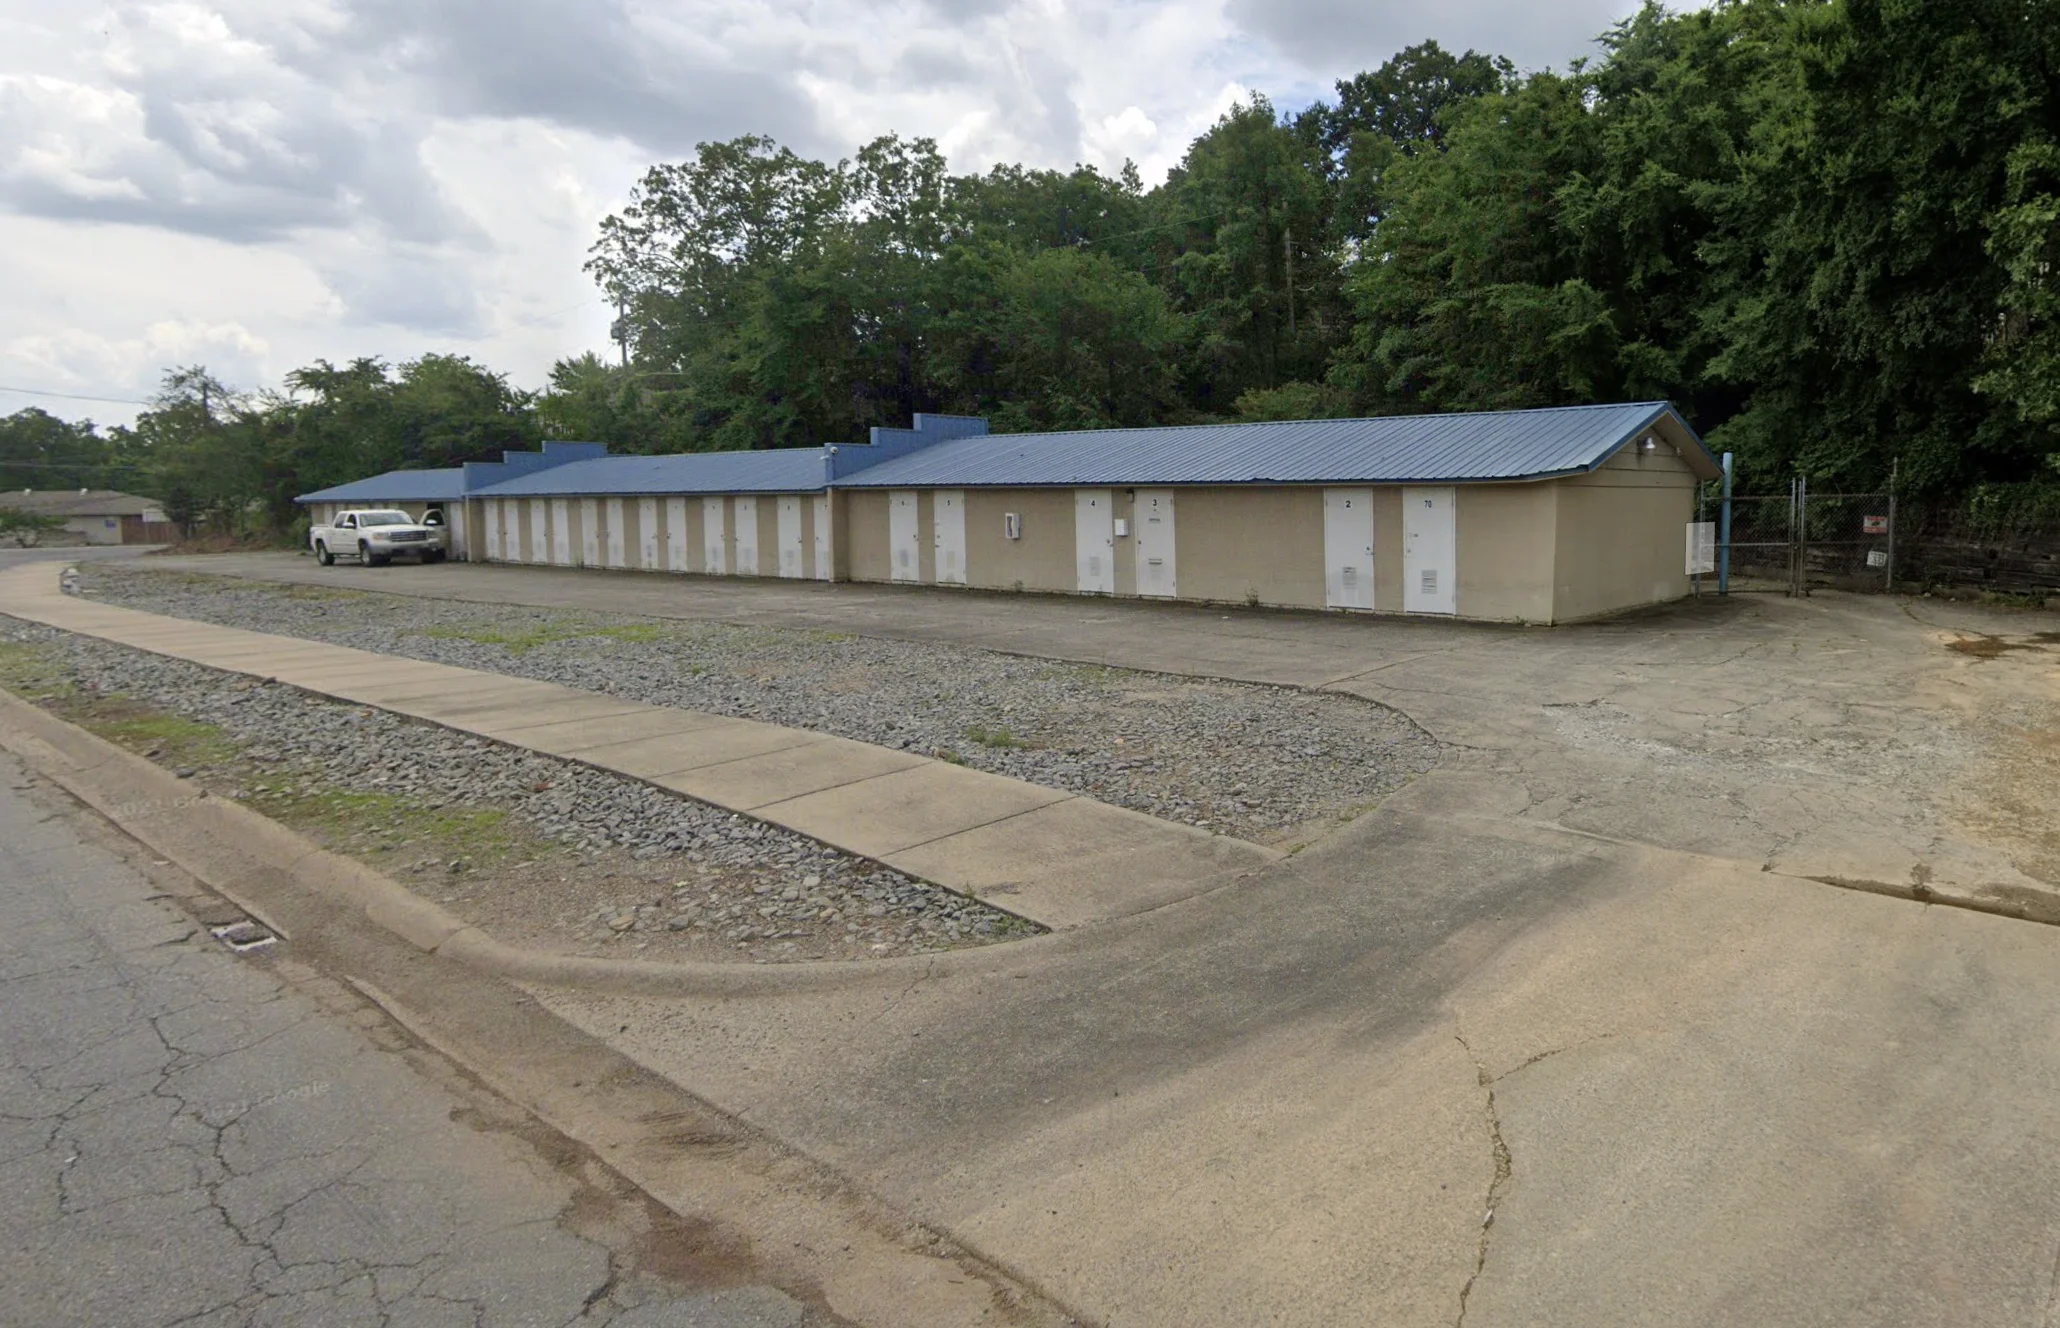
x=561, y=532
x=1094, y=540
x=647, y=533
x=1430, y=547
x=493, y=530
x=715, y=525
x=901, y=535
x=618, y=550
x=676, y=550
x=589, y=533
x=822, y=537
x=1348, y=548
x=459, y=547
x=539, y=543
x=948, y=515
x=1155, y=543
x=747, y=536
x=511, y=529
x=790, y=537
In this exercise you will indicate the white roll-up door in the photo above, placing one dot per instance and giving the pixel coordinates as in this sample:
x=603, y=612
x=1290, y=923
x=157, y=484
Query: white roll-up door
x=647, y=534
x=823, y=564
x=493, y=529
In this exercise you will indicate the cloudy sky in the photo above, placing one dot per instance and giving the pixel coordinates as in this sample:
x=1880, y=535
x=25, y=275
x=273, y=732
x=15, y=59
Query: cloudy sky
x=252, y=184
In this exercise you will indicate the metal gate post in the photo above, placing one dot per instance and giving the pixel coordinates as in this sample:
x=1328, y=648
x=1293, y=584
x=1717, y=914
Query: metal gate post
x=1802, y=535
x=1894, y=472
x=1724, y=534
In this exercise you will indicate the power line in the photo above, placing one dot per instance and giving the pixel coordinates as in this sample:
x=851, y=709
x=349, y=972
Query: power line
x=72, y=396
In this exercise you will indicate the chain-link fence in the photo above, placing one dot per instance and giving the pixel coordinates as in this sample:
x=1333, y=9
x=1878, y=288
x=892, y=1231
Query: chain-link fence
x=1799, y=540
x=1761, y=551
x=1847, y=540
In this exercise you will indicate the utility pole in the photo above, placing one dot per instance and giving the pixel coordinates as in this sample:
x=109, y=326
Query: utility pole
x=622, y=332
x=1288, y=245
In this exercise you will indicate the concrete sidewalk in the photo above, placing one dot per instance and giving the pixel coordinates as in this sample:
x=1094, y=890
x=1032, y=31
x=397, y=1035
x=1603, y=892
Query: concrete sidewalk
x=1054, y=857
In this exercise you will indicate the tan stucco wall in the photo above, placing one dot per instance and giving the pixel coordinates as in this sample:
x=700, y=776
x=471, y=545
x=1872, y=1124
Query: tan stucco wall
x=1231, y=545
x=926, y=537
x=1124, y=559
x=1505, y=552
x=866, y=542
x=1043, y=559
x=1387, y=549
x=769, y=534
x=1622, y=537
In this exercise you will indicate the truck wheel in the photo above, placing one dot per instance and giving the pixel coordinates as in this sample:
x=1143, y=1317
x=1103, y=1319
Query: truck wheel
x=365, y=556
x=322, y=554
x=432, y=555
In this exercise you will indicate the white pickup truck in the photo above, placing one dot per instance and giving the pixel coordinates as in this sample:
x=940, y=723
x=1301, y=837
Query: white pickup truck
x=374, y=535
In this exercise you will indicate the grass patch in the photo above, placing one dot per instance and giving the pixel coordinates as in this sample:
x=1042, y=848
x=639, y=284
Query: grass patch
x=522, y=638
x=300, y=592
x=367, y=819
x=154, y=733
x=996, y=738
x=33, y=672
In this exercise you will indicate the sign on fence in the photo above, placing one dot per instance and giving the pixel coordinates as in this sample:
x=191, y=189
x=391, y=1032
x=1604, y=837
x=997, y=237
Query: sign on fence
x=1873, y=525
x=1702, y=547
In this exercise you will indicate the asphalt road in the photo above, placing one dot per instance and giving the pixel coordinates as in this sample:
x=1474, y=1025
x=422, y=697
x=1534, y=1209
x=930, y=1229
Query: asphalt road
x=188, y=1138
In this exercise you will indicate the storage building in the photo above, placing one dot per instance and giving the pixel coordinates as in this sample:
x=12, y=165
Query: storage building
x=1533, y=516
x=1529, y=516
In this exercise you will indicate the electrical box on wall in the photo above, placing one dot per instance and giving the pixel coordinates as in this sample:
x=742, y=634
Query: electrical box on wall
x=1122, y=527
x=1012, y=525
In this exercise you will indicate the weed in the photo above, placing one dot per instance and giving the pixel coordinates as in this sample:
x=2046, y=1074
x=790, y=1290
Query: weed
x=1251, y=599
x=519, y=639
x=996, y=738
x=153, y=732
x=481, y=834
x=32, y=672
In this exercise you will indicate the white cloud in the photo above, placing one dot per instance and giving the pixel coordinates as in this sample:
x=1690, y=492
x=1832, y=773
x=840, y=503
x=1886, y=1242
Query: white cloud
x=257, y=183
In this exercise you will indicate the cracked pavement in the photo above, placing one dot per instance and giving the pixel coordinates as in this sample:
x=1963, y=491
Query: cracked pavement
x=1696, y=1085
x=187, y=1139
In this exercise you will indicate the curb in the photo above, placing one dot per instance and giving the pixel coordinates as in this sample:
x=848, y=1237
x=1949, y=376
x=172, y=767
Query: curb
x=245, y=856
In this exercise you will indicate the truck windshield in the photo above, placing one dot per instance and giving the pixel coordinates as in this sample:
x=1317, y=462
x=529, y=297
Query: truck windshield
x=384, y=519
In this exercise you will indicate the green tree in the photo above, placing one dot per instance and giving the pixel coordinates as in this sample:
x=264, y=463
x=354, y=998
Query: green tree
x=1256, y=273
x=40, y=451
x=1470, y=295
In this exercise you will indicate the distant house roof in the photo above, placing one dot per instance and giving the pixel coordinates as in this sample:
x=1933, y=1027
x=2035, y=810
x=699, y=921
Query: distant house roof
x=783, y=470
x=1407, y=449
x=80, y=502
x=442, y=485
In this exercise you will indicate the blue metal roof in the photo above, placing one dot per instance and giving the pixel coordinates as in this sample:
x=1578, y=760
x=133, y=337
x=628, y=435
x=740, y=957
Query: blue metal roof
x=1409, y=449
x=783, y=470
x=443, y=485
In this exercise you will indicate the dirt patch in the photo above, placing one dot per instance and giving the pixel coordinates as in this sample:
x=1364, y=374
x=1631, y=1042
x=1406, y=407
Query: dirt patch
x=1991, y=647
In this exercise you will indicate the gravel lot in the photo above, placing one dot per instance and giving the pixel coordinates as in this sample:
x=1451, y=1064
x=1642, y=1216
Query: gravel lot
x=536, y=850
x=1263, y=763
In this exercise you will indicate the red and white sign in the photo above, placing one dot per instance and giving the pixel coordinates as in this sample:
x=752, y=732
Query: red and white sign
x=1874, y=525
